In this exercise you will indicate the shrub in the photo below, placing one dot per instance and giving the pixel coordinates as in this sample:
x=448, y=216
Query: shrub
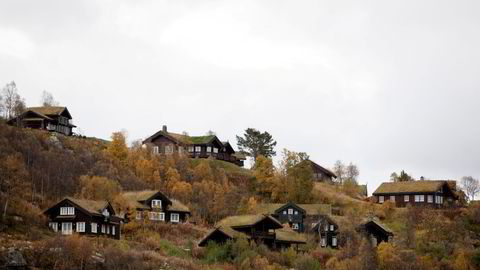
x=218, y=253
x=307, y=262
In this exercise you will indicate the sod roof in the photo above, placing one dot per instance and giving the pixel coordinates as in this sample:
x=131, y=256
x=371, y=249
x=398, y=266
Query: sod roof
x=285, y=235
x=139, y=195
x=247, y=220
x=311, y=209
x=409, y=187
x=90, y=205
x=317, y=167
x=378, y=223
x=48, y=110
x=178, y=206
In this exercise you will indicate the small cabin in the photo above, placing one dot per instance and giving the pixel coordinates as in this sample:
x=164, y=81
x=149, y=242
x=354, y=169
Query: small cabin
x=84, y=217
x=427, y=193
x=375, y=231
x=320, y=174
x=325, y=231
x=154, y=206
x=51, y=118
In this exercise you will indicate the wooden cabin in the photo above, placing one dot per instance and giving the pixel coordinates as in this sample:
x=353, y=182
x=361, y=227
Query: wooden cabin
x=154, y=206
x=259, y=228
x=85, y=217
x=164, y=142
x=375, y=231
x=325, y=231
x=299, y=217
x=320, y=174
x=418, y=193
x=54, y=119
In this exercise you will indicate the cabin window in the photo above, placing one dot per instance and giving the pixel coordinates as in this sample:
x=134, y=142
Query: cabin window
x=439, y=199
x=334, y=241
x=406, y=198
x=105, y=213
x=290, y=211
x=284, y=212
x=113, y=230
x=155, y=150
x=419, y=198
x=209, y=149
x=168, y=149
x=331, y=228
x=215, y=150
x=80, y=227
x=67, y=211
x=326, y=227
x=103, y=228
x=67, y=228
x=53, y=226
x=392, y=198
x=324, y=242
x=174, y=217
x=161, y=216
x=93, y=227
x=198, y=149
x=430, y=198
x=180, y=149
x=190, y=149
x=138, y=216
x=156, y=204
x=295, y=226
x=157, y=216
x=381, y=199
x=108, y=229
x=296, y=212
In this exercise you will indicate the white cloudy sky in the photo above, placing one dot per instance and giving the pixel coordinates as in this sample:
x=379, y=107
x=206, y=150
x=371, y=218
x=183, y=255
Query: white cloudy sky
x=388, y=85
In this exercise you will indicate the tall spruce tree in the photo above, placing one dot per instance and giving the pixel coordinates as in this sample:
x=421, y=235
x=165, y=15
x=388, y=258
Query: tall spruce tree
x=255, y=143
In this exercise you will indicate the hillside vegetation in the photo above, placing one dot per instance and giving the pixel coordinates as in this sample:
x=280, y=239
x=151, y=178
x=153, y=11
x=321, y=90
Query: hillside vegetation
x=38, y=168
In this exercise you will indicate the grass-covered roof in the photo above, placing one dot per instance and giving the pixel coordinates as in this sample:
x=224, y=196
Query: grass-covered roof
x=247, y=220
x=409, y=187
x=311, y=209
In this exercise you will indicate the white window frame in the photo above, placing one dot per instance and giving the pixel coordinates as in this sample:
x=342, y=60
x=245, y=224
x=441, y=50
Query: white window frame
x=93, y=227
x=176, y=219
x=80, y=227
x=67, y=211
x=139, y=215
x=180, y=149
x=215, y=150
x=334, y=241
x=406, y=198
x=198, y=149
x=113, y=230
x=417, y=198
x=284, y=212
x=168, y=149
x=103, y=228
x=381, y=199
x=290, y=211
x=422, y=198
x=295, y=226
x=430, y=198
x=155, y=150
x=331, y=227
x=392, y=198
x=209, y=149
x=67, y=228
x=190, y=149
x=324, y=241
x=156, y=204
x=161, y=216
x=296, y=212
x=326, y=227
x=53, y=226
x=108, y=229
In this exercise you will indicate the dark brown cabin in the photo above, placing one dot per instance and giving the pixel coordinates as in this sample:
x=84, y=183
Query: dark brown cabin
x=55, y=119
x=167, y=143
x=154, y=206
x=320, y=174
x=325, y=231
x=259, y=228
x=428, y=193
x=85, y=217
x=375, y=231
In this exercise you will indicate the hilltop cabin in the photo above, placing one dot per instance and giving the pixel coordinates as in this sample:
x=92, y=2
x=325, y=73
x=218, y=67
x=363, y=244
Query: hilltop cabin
x=418, y=193
x=258, y=228
x=55, y=119
x=325, y=231
x=164, y=142
x=85, y=217
x=299, y=217
x=320, y=174
x=154, y=206
x=375, y=231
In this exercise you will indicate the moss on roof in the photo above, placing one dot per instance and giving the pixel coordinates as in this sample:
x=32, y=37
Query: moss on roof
x=311, y=209
x=90, y=205
x=286, y=235
x=139, y=195
x=48, y=110
x=178, y=206
x=245, y=220
x=409, y=187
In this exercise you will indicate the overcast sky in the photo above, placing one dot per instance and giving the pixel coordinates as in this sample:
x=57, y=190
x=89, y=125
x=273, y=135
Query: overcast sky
x=387, y=85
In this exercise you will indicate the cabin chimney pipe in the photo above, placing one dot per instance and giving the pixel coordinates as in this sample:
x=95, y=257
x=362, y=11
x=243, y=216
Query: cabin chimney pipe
x=164, y=128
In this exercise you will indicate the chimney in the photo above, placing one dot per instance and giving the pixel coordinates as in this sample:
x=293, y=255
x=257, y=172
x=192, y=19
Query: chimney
x=164, y=128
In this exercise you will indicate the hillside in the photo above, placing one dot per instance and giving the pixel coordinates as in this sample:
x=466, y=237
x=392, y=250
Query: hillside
x=39, y=168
